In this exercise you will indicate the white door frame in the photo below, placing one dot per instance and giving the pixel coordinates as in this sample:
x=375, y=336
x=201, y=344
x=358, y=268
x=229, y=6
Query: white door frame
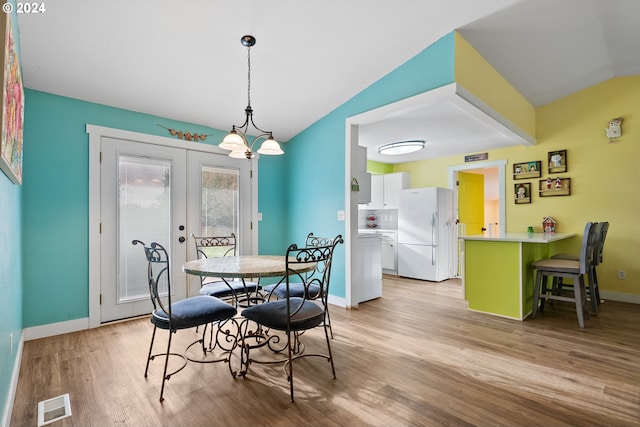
x=96, y=133
x=500, y=164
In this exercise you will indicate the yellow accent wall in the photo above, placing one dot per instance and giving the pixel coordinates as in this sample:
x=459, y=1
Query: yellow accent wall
x=379, y=168
x=604, y=175
x=476, y=75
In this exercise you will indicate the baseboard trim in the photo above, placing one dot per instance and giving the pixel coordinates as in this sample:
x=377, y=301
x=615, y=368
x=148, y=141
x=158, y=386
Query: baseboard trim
x=340, y=302
x=52, y=329
x=619, y=296
x=13, y=386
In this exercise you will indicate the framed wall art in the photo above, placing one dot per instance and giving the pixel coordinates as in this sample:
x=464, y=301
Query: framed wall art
x=522, y=193
x=555, y=187
x=527, y=170
x=557, y=161
x=12, y=104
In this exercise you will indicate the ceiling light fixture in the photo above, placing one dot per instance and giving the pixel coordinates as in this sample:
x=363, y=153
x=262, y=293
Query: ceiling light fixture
x=236, y=140
x=401, y=147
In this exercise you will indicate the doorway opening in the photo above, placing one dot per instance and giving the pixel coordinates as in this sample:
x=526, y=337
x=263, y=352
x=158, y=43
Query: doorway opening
x=493, y=220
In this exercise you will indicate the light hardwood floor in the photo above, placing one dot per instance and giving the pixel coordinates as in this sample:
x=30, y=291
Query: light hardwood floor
x=415, y=357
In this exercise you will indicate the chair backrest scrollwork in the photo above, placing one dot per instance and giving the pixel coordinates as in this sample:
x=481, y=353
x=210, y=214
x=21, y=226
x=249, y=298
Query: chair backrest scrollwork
x=322, y=257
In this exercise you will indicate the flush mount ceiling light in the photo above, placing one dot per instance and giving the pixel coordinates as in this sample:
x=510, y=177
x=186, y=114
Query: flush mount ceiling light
x=401, y=147
x=237, y=141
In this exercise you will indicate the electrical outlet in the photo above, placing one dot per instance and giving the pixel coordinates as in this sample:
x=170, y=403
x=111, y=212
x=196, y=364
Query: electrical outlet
x=622, y=274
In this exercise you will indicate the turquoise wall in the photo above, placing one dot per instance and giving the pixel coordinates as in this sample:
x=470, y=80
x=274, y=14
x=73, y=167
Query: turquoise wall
x=10, y=272
x=316, y=157
x=56, y=199
x=10, y=281
x=298, y=192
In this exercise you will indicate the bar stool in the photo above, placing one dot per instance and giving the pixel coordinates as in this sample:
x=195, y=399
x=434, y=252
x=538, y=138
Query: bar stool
x=593, y=290
x=561, y=268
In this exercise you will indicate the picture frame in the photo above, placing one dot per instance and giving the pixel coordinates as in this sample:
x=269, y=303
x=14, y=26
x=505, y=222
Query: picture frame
x=12, y=104
x=555, y=187
x=557, y=161
x=527, y=170
x=522, y=193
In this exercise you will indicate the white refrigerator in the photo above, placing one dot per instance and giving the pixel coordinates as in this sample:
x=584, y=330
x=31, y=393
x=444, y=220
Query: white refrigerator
x=426, y=233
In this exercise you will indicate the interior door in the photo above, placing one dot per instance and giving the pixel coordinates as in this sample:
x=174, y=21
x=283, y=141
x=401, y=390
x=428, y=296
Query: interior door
x=143, y=197
x=471, y=201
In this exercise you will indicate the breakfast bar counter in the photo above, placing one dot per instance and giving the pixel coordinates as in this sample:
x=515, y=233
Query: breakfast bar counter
x=497, y=275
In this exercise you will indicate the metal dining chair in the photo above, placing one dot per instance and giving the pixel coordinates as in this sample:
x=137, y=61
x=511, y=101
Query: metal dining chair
x=184, y=314
x=234, y=291
x=293, y=315
x=298, y=289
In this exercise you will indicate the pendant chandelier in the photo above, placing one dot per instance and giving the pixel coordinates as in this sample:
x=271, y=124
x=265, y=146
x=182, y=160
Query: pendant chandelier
x=236, y=140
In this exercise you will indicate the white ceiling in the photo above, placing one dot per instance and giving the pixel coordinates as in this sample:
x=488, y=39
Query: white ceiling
x=184, y=61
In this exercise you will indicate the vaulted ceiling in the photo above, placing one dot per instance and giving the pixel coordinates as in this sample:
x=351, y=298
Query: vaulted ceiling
x=184, y=61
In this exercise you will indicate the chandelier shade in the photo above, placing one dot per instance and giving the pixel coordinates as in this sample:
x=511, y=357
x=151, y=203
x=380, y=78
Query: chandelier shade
x=237, y=141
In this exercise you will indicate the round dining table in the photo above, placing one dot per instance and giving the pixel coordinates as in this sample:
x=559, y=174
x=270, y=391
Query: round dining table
x=244, y=266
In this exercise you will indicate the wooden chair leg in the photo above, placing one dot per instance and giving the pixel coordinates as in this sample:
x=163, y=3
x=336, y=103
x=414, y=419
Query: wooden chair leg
x=536, y=294
x=578, y=295
x=592, y=292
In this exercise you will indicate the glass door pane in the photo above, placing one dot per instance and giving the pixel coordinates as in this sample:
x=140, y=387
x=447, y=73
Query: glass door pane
x=220, y=201
x=144, y=197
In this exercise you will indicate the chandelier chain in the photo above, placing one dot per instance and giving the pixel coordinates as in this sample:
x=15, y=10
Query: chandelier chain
x=249, y=76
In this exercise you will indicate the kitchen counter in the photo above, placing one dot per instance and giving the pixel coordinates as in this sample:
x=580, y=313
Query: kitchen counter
x=522, y=237
x=497, y=275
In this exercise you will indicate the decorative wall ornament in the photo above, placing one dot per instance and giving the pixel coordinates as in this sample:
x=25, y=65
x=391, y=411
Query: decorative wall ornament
x=522, y=193
x=527, y=170
x=555, y=187
x=614, y=130
x=187, y=136
x=557, y=161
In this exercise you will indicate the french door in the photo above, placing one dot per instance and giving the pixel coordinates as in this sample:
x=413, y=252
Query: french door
x=156, y=193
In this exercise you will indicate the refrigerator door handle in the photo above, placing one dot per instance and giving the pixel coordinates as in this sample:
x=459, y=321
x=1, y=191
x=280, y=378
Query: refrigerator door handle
x=433, y=255
x=434, y=240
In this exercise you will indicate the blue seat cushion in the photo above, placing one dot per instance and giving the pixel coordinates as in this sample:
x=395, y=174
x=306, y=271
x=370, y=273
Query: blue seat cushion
x=222, y=289
x=192, y=312
x=295, y=289
x=273, y=314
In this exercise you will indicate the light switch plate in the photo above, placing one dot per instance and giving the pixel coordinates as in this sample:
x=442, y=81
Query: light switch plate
x=340, y=215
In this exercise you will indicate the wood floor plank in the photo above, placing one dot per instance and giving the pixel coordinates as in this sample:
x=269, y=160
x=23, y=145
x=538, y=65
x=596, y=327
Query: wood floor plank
x=415, y=357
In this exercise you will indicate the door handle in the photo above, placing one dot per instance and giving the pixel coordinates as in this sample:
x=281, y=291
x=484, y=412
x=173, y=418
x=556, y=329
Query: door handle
x=181, y=239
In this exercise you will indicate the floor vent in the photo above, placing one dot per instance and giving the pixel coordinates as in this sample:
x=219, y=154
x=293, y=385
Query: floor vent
x=55, y=409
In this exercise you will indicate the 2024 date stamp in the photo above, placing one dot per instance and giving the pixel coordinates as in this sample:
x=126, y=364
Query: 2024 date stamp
x=31, y=8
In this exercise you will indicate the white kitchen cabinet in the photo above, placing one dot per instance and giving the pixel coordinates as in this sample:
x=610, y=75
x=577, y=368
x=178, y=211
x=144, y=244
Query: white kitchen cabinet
x=362, y=176
x=368, y=282
x=393, y=183
x=389, y=253
x=377, y=191
x=385, y=190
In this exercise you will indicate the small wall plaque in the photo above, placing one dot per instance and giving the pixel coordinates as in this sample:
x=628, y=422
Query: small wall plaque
x=476, y=157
